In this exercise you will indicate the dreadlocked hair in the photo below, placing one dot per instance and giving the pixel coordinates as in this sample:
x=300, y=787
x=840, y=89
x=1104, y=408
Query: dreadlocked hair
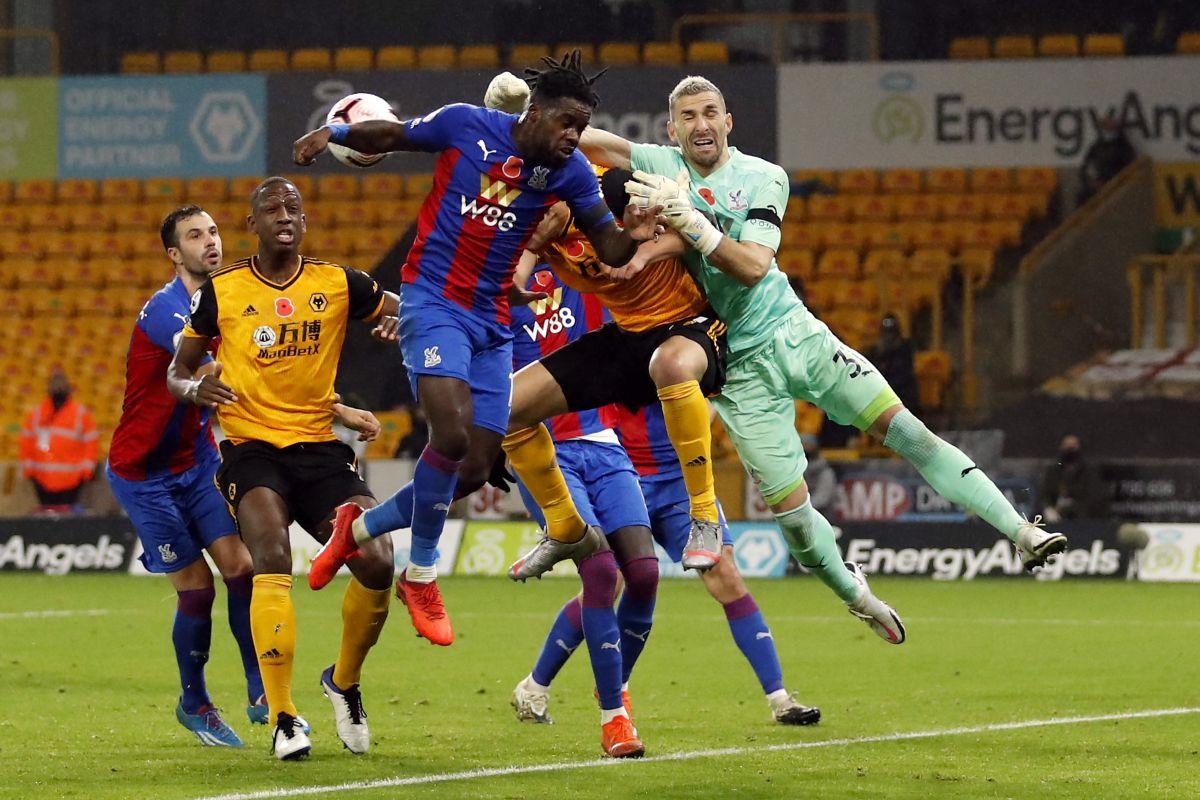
x=564, y=78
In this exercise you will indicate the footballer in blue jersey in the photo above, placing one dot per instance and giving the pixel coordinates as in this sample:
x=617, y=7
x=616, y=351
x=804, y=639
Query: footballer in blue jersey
x=496, y=175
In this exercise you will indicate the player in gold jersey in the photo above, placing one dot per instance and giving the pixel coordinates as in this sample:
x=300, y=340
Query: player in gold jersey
x=282, y=318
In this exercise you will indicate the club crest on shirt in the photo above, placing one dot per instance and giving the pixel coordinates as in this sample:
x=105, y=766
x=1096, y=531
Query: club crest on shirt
x=737, y=200
x=539, y=178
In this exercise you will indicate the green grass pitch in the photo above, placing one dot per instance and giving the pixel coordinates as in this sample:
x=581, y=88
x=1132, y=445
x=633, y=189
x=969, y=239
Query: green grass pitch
x=86, y=700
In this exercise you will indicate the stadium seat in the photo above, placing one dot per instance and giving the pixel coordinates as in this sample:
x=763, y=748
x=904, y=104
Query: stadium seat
x=311, y=59
x=6, y=190
x=67, y=245
x=360, y=214
x=325, y=243
x=337, y=186
x=818, y=295
x=1103, y=45
x=47, y=217
x=857, y=181
x=961, y=206
x=932, y=261
x=887, y=235
x=1008, y=231
x=846, y=235
x=347, y=59
x=826, y=178
x=667, y=54
x=946, y=180
x=806, y=235
x=162, y=189
x=828, y=208
x=238, y=244
x=900, y=181
x=226, y=61
x=991, y=179
x=392, y=215
x=707, y=53
x=1188, y=43
x=888, y=262
x=978, y=263
x=437, y=56
x=146, y=245
x=1036, y=179
x=479, y=56
x=268, y=61
x=838, y=263
x=1013, y=47
x=207, y=190
x=396, y=57
x=417, y=185
x=527, y=55
x=796, y=209
x=797, y=263
x=368, y=244
x=140, y=63
x=76, y=190
x=932, y=368
x=943, y=235
x=970, y=48
x=183, y=61
x=14, y=218
x=227, y=215
x=873, y=208
x=586, y=51
x=618, y=54
x=120, y=190
x=383, y=185
x=1007, y=206
x=304, y=182
x=241, y=187
x=133, y=217
x=916, y=207
x=319, y=214
x=37, y=190
x=1065, y=45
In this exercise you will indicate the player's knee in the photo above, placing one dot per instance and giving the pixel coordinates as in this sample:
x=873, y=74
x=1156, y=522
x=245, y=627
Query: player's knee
x=376, y=566
x=598, y=573
x=641, y=578
x=450, y=440
x=672, y=365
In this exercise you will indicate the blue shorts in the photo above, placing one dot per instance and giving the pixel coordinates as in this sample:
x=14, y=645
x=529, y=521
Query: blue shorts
x=670, y=513
x=603, y=485
x=439, y=338
x=176, y=516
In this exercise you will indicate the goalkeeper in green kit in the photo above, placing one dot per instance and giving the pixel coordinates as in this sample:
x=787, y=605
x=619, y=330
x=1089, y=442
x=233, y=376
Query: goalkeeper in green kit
x=728, y=208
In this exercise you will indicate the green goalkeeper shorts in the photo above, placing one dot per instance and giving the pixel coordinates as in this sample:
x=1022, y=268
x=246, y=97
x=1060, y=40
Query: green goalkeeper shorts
x=802, y=361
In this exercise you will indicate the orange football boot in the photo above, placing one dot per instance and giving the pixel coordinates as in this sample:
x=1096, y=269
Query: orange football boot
x=340, y=548
x=425, y=607
x=619, y=739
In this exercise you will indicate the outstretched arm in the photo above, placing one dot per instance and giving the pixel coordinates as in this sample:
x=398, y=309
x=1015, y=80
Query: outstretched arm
x=604, y=148
x=430, y=133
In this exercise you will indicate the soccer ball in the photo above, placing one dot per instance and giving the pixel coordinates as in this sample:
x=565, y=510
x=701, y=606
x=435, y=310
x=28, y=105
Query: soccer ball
x=358, y=108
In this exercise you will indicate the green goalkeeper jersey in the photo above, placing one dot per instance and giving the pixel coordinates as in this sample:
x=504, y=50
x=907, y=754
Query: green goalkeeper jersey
x=745, y=199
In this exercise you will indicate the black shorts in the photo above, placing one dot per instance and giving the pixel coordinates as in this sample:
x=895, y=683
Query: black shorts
x=313, y=478
x=612, y=365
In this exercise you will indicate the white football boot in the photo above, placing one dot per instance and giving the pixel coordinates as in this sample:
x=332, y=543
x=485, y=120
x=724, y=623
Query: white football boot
x=348, y=714
x=289, y=740
x=1038, y=547
x=878, y=615
x=531, y=702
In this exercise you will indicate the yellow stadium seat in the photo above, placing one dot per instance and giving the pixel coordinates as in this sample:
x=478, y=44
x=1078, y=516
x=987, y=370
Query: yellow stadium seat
x=942, y=235
x=437, y=56
x=825, y=177
x=121, y=243
x=845, y=235
x=978, y=263
x=207, y=190
x=67, y=245
x=383, y=185
x=797, y=263
x=707, y=53
x=358, y=214
x=84, y=273
x=120, y=190
x=961, y=206
x=819, y=295
x=1103, y=45
x=238, y=244
x=241, y=187
x=77, y=190
x=796, y=209
x=134, y=217
x=1188, y=43
x=805, y=235
x=226, y=61
x=227, y=215
x=1056, y=45
x=828, y=208
x=900, y=181
x=140, y=63
x=970, y=47
x=916, y=207
x=346, y=59
x=888, y=235
x=268, y=61
x=396, y=57
x=941, y=180
x=1007, y=230
x=478, y=56
x=586, y=51
x=107, y=243
x=873, y=208
x=991, y=179
x=183, y=61
x=318, y=214
x=12, y=271
x=1007, y=206
x=669, y=54
x=1036, y=202
x=838, y=263
x=162, y=189
x=369, y=244
x=618, y=54
x=311, y=59
x=1013, y=47
x=932, y=368
x=888, y=262
x=932, y=261
x=48, y=217
x=305, y=183
x=148, y=245
x=37, y=274
x=857, y=181
x=337, y=186
x=389, y=215
x=37, y=190
x=527, y=55
x=417, y=185
x=324, y=241
x=14, y=218
x=980, y=236
x=1036, y=179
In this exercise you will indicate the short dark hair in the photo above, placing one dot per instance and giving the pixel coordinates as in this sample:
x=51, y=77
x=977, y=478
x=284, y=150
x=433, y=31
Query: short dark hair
x=170, y=237
x=271, y=181
x=563, y=78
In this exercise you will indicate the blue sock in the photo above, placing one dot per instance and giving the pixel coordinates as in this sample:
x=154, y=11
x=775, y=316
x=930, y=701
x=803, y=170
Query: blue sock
x=635, y=612
x=393, y=514
x=433, y=492
x=599, y=575
x=240, y=588
x=565, y=635
x=192, y=635
x=754, y=639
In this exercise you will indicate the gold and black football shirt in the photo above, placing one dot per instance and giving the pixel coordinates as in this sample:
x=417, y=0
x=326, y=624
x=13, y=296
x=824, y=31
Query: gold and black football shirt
x=280, y=344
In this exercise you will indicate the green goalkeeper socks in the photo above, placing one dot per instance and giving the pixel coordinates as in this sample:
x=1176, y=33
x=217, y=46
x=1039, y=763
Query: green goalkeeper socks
x=810, y=538
x=951, y=473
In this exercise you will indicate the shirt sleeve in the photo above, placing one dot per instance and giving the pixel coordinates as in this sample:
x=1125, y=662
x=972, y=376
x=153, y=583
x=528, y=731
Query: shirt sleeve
x=655, y=158
x=581, y=191
x=366, y=295
x=436, y=130
x=764, y=220
x=203, y=320
x=160, y=325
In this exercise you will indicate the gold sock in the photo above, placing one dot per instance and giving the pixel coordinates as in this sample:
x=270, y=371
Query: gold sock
x=531, y=451
x=273, y=627
x=686, y=415
x=363, y=613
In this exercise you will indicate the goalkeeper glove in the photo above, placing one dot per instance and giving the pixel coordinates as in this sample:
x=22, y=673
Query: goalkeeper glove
x=647, y=190
x=507, y=93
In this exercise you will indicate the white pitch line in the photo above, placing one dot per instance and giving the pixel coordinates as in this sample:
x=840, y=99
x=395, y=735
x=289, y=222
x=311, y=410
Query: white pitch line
x=495, y=772
x=66, y=612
